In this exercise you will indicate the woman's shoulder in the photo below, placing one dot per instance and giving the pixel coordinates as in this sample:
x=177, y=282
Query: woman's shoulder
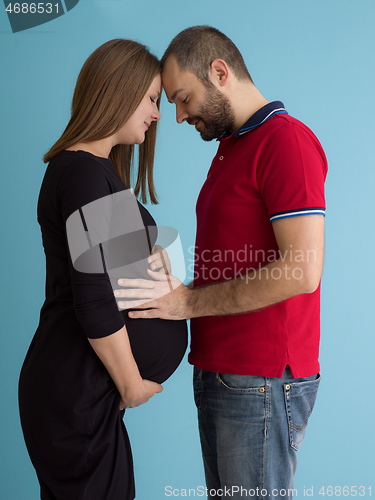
x=75, y=178
x=83, y=169
x=79, y=160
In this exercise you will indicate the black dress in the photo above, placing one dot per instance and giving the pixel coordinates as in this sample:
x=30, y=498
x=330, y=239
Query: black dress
x=69, y=405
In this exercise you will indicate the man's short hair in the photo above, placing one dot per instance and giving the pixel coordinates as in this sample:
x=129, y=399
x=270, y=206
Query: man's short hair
x=195, y=48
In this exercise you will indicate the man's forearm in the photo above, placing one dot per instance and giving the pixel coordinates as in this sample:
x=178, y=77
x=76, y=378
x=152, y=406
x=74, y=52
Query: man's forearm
x=256, y=290
x=297, y=271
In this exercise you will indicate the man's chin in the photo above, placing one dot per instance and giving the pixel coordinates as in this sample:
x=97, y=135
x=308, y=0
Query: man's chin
x=207, y=137
x=207, y=133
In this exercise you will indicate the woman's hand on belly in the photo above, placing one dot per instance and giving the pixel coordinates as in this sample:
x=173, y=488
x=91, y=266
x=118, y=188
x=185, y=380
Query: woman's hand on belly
x=159, y=259
x=115, y=353
x=135, y=396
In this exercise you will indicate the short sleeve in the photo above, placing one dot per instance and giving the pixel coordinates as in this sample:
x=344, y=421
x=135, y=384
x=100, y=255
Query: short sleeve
x=291, y=172
x=82, y=182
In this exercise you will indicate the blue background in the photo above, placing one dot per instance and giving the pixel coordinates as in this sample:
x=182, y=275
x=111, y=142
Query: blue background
x=318, y=58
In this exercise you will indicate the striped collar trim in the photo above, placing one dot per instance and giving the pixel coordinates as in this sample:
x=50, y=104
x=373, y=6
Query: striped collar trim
x=258, y=118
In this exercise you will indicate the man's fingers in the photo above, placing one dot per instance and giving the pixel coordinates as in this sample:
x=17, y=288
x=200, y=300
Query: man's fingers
x=135, y=293
x=161, y=275
x=135, y=283
x=139, y=293
x=130, y=304
x=147, y=314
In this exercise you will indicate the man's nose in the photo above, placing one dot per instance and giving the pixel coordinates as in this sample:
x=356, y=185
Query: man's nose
x=181, y=115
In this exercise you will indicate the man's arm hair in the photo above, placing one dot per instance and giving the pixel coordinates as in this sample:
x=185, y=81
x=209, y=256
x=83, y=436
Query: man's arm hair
x=297, y=271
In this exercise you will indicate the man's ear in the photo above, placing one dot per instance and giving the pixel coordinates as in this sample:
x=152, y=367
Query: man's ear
x=219, y=72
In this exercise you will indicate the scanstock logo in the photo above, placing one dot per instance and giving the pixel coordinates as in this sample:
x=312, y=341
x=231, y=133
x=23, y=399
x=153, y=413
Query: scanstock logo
x=28, y=14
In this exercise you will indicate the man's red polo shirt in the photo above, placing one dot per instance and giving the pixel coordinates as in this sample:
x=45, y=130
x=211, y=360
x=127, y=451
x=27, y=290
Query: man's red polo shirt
x=273, y=167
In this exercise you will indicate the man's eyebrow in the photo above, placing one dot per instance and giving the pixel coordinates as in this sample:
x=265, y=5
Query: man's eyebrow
x=175, y=94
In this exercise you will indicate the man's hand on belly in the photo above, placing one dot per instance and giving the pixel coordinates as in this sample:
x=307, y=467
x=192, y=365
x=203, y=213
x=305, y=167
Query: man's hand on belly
x=164, y=296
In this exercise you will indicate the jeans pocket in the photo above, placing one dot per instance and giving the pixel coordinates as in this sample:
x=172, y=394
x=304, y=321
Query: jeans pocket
x=299, y=402
x=242, y=384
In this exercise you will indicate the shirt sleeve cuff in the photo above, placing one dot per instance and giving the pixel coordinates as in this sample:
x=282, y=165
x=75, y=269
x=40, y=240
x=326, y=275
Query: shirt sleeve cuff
x=296, y=213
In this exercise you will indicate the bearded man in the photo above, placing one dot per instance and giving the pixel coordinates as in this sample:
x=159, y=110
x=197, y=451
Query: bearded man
x=255, y=299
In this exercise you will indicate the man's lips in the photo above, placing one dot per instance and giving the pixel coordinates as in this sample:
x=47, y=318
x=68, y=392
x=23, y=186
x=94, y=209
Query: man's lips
x=194, y=122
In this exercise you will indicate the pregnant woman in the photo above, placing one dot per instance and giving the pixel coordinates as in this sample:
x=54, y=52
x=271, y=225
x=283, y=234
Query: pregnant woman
x=88, y=361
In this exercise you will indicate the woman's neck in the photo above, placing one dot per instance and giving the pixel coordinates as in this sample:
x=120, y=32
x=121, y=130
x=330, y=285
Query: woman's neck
x=101, y=148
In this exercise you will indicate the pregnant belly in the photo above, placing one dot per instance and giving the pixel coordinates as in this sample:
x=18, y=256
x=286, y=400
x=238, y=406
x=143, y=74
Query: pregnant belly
x=158, y=346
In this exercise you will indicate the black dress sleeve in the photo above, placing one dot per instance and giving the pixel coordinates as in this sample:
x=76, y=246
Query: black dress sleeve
x=82, y=182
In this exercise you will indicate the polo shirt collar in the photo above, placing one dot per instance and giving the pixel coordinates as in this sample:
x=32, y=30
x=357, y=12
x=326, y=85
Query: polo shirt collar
x=258, y=118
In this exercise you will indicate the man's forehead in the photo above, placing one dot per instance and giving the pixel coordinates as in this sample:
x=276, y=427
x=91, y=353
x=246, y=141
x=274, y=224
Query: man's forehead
x=171, y=64
x=172, y=73
x=176, y=80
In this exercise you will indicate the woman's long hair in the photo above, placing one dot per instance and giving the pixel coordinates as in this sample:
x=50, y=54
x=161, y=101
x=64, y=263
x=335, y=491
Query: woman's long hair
x=110, y=86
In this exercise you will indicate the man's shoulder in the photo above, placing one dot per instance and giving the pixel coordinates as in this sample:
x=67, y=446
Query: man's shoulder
x=284, y=121
x=280, y=124
x=284, y=126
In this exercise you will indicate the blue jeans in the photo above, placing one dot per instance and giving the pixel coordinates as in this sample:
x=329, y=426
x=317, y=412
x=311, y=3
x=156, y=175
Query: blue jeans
x=250, y=430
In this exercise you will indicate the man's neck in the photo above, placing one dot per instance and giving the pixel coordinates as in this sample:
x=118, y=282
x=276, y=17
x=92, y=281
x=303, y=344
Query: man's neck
x=246, y=100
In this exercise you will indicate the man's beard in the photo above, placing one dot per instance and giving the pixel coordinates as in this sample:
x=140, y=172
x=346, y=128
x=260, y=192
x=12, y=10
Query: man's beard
x=216, y=113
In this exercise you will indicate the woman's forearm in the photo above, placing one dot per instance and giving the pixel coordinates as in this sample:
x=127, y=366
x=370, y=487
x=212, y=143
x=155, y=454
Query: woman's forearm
x=115, y=353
